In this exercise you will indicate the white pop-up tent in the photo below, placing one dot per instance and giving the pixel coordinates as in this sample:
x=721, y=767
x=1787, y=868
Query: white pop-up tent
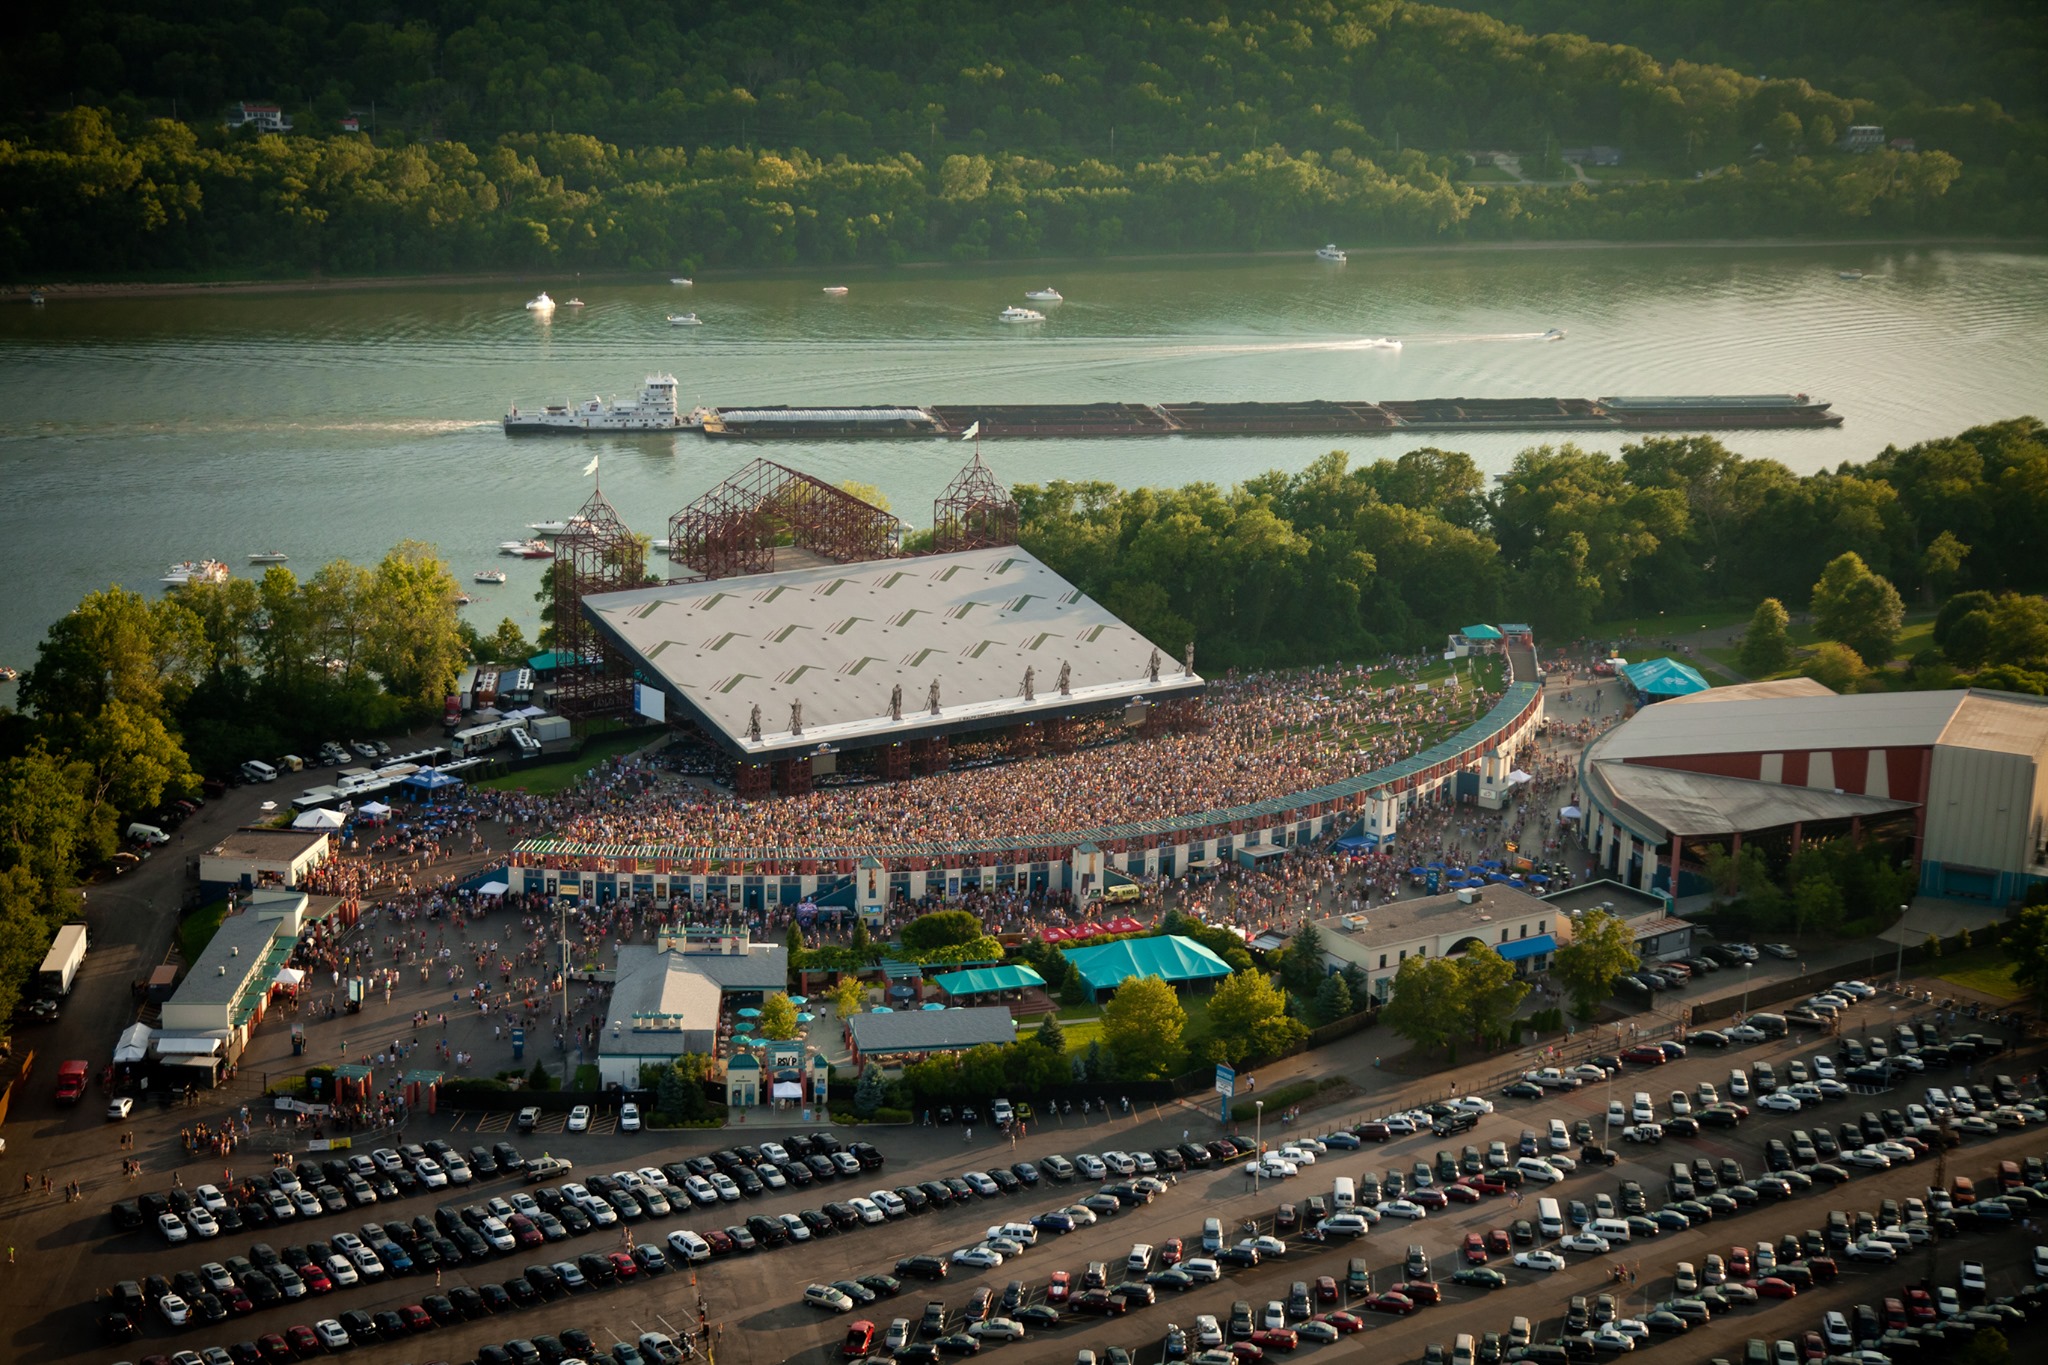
x=321, y=818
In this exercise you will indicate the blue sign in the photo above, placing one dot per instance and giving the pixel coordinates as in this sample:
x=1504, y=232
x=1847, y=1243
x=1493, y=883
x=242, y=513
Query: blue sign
x=1226, y=1080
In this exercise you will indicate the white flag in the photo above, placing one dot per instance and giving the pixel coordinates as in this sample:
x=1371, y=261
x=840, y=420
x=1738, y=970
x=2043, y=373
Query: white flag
x=971, y=432
x=590, y=468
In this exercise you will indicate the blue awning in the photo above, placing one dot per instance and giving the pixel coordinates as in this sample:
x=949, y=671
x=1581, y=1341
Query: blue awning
x=1529, y=947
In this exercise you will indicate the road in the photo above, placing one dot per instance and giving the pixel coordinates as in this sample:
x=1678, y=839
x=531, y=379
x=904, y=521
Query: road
x=752, y=1301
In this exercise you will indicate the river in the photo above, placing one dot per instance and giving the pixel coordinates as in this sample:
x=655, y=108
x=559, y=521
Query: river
x=324, y=424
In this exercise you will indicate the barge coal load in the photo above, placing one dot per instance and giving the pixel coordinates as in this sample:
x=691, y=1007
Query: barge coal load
x=1317, y=417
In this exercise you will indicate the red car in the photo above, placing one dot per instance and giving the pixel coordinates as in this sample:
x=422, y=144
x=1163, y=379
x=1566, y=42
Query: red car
x=1170, y=1251
x=624, y=1264
x=1463, y=1194
x=1738, y=1263
x=1771, y=1287
x=719, y=1240
x=237, y=1300
x=1275, y=1339
x=1389, y=1302
x=1347, y=1323
x=1420, y=1291
x=1430, y=1197
x=303, y=1341
x=417, y=1319
x=1475, y=1249
x=1485, y=1184
x=860, y=1338
x=316, y=1279
x=1247, y=1350
x=1060, y=1286
x=274, y=1348
x=1498, y=1242
x=1919, y=1305
x=1326, y=1289
x=1648, y=1053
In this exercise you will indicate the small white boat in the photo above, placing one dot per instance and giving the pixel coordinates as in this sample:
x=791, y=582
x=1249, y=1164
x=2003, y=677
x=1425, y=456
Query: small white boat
x=1554, y=334
x=679, y=279
x=540, y=303
x=1851, y=275
x=1331, y=253
x=525, y=549
x=462, y=599
x=196, y=571
x=835, y=289
x=1014, y=314
x=35, y=296
x=490, y=575
x=1045, y=295
x=8, y=674
x=573, y=303
x=269, y=557
x=559, y=528
x=685, y=320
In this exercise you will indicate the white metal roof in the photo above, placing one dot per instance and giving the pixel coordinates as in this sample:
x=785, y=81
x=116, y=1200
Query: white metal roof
x=1877, y=720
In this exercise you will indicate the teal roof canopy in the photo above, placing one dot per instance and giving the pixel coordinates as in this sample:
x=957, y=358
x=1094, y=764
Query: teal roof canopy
x=1010, y=977
x=1479, y=632
x=1171, y=958
x=1664, y=678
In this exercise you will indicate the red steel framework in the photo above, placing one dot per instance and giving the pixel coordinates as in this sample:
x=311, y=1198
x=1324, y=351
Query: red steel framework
x=974, y=512
x=598, y=554
x=736, y=527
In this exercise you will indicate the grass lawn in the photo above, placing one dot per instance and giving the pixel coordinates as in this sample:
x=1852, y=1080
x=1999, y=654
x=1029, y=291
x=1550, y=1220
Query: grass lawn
x=1083, y=1025
x=197, y=929
x=1669, y=626
x=1486, y=175
x=546, y=779
x=1984, y=970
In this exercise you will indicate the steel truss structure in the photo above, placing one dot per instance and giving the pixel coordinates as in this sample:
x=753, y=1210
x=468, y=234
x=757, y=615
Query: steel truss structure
x=598, y=555
x=736, y=527
x=974, y=512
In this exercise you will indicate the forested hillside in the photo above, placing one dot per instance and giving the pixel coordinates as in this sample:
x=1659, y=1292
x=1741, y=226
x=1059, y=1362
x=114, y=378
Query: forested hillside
x=512, y=133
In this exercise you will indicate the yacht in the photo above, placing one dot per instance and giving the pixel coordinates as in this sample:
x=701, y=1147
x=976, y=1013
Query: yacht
x=540, y=303
x=269, y=557
x=835, y=289
x=196, y=571
x=653, y=410
x=1020, y=315
x=1045, y=295
x=490, y=575
x=685, y=320
x=1331, y=253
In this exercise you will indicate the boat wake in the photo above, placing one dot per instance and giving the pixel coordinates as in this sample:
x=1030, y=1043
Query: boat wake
x=1554, y=334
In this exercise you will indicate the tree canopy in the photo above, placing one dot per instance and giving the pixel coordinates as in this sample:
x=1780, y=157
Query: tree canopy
x=1602, y=948
x=1141, y=1027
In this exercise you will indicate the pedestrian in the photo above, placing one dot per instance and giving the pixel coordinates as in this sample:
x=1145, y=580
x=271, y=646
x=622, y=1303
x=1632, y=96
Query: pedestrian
x=968, y=1138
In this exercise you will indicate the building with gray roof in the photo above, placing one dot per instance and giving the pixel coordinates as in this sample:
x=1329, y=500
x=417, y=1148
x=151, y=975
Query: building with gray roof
x=892, y=1039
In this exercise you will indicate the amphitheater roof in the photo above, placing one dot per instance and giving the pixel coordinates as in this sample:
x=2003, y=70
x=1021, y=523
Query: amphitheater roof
x=838, y=638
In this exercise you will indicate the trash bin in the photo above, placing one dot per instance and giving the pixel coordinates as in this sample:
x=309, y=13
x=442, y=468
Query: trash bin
x=518, y=1044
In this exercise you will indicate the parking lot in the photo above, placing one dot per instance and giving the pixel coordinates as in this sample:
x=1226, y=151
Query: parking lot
x=752, y=1302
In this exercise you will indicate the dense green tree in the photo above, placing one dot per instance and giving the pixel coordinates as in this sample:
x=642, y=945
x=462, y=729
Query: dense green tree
x=939, y=929
x=1424, y=1007
x=1834, y=666
x=1859, y=609
x=506, y=645
x=1248, y=1018
x=1602, y=948
x=1767, y=645
x=2026, y=947
x=1817, y=906
x=1302, y=968
x=1051, y=1036
x=778, y=1017
x=1333, y=999
x=871, y=1092
x=1142, y=1026
x=1488, y=992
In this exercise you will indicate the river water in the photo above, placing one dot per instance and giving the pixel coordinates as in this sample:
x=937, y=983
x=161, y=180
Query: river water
x=138, y=432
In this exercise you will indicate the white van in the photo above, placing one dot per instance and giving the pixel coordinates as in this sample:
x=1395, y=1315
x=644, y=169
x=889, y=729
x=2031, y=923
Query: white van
x=1642, y=1111
x=1549, y=1217
x=139, y=833
x=1613, y=1229
x=1139, y=1262
x=1343, y=1194
x=1560, y=1136
x=1464, y=1351
x=1212, y=1235
x=256, y=770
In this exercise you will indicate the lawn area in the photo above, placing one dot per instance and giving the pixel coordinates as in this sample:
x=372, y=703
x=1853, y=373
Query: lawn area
x=1984, y=970
x=1083, y=1025
x=197, y=929
x=546, y=779
x=1668, y=626
x=1486, y=175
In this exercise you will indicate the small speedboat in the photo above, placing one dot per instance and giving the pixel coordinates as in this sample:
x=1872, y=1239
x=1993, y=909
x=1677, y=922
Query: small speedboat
x=1554, y=334
x=1045, y=295
x=536, y=549
x=490, y=575
x=835, y=289
x=559, y=528
x=573, y=303
x=540, y=303
x=1850, y=275
x=269, y=557
x=462, y=599
x=685, y=320
x=511, y=547
x=196, y=571
x=1014, y=314
x=1331, y=253
x=679, y=279
x=8, y=674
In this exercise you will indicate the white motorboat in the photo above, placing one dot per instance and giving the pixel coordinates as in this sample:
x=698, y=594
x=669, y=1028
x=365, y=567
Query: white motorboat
x=269, y=557
x=1850, y=275
x=572, y=526
x=1330, y=252
x=1014, y=314
x=1554, y=334
x=1045, y=295
x=490, y=575
x=196, y=571
x=573, y=303
x=462, y=599
x=685, y=320
x=679, y=279
x=540, y=303
x=835, y=289
x=653, y=410
x=526, y=549
x=8, y=674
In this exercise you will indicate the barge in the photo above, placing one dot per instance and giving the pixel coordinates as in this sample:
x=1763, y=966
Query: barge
x=1321, y=417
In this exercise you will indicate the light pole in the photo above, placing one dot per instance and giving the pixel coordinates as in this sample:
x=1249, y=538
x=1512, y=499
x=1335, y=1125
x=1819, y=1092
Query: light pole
x=1899, y=971
x=1259, y=1142
x=1745, y=988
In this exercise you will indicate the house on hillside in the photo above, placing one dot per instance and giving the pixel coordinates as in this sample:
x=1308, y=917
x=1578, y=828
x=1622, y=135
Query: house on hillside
x=267, y=118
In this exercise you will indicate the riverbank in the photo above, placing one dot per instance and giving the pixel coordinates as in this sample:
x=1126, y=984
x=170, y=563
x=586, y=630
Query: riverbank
x=127, y=289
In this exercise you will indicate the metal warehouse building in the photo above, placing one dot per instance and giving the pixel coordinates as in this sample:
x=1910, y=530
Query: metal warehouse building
x=1963, y=773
